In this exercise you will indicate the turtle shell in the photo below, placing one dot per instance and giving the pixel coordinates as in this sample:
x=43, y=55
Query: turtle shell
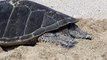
x=27, y=20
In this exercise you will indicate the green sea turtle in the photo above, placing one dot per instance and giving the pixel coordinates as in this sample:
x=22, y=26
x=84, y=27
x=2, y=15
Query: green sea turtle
x=23, y=22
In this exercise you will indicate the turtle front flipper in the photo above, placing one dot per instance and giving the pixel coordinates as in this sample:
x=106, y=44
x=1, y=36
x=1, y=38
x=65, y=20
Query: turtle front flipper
x=76, y=32
x=58, y=38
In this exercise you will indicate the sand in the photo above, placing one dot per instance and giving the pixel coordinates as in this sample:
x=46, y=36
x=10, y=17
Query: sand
x=95, y=49
x=96, y=9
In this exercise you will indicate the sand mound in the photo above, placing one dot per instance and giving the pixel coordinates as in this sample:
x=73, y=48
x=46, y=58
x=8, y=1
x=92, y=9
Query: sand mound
x=95, y=49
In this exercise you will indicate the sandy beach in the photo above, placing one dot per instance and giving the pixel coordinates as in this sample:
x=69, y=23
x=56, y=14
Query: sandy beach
x=92, y=15
x=96, y=9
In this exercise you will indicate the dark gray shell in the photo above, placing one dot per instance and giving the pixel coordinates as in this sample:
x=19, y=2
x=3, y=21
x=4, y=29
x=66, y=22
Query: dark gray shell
x=28, y=20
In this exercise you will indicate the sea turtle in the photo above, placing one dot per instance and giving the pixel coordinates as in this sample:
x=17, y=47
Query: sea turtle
x=23, y=21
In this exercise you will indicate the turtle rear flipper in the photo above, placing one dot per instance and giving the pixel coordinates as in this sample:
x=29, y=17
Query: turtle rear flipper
x=58, y=38
x=76, y=32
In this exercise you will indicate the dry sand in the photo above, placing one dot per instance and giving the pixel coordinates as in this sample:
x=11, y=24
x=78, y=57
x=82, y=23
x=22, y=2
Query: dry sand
x=96, y=9
x=95, y=49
